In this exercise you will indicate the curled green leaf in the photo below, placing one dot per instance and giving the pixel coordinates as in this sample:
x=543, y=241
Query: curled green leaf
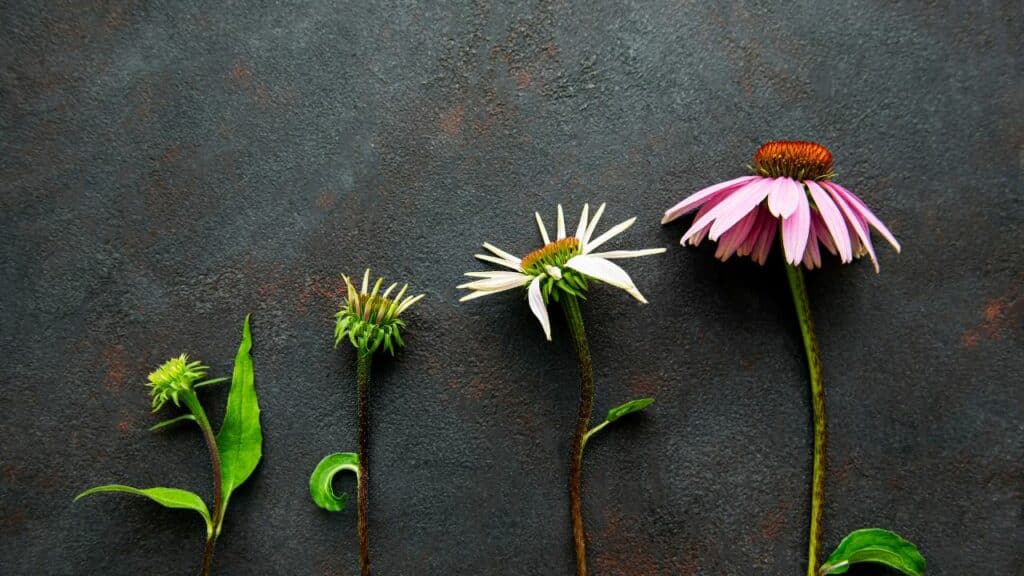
x=320, y=481
x=628, y=408
x=167, y=497
x=878, y=546
x=172, y=421
x=240, y=440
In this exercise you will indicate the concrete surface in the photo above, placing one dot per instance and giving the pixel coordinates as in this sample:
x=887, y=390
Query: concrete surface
x=168, y=167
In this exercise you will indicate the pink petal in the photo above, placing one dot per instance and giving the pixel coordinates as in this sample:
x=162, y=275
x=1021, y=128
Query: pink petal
x=862, y=208
x=764, y=243
x=694, y=200
x=855, y=221
x=822, y=233
x=755, y=232
x=795, y=231
x=812, y=256
x=702, y=222
x=784, y=197
x=833, y=220
x=738, y=206
x=736, y=235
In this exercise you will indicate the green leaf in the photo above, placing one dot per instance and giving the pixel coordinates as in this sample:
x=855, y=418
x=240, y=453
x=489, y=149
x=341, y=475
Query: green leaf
x=628, y=408
x=168, y=497
x=875, y=545
x=323, y=476
x=240, y=439
x=167, y=423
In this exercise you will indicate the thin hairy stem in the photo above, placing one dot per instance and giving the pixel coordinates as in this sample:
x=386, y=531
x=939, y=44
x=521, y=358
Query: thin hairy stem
x=363, y=381
x=579, y=337
x=803, y=312
x=192, y=401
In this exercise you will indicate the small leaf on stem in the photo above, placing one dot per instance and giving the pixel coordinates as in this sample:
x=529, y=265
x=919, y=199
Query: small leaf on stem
x=167, y=423
x=875, y=545
x=628, y=408
x=323, y=476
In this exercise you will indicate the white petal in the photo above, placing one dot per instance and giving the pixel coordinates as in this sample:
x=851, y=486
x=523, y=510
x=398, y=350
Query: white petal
x=366, y=281
x=582, y=228
x=513, y=264
x=409, y=302
x=561, y=223
x=615, y=231
x=538, y=307
x=500, y=253
x=493, y=274
x=593, y=225
x=543, y=230
x=388, y=291
x=627, y=253
x=605, y=271
x=475, y=295
x=496, y=284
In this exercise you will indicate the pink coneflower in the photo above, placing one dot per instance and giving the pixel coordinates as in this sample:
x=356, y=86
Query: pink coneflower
x=792, y=185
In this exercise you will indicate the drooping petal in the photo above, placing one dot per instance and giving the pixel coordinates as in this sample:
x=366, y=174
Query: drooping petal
x=561, y=223
x=766, y=240
x=537, y=306
x=613, y=254
x=755, y=232
x=498, y=284
x=735, y=236
x=513, y=264
x=543, y=230
x=500, y=253
x=795, y=231
x=833, y=220
x=593, y=225
x=493, y=274
x=862, y=208
x=702, y=221
x=613, y=232
x=605, y=271
x=694, y=201
x=822, y=233
x=854, y=221
x=784, y=197
x=741, y=204
x=812, y=256
x=581, y=228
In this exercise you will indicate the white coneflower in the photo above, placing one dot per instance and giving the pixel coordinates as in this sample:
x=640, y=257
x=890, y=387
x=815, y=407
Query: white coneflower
x=561, y=265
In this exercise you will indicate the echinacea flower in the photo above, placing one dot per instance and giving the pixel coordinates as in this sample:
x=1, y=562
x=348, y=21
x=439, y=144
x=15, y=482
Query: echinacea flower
x=172, y=378
x=792, y=186
x=370, y=318
x=561, y=265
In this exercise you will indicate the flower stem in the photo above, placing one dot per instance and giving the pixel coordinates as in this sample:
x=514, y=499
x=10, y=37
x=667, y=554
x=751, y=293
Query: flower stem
x=192, y=401
x=803, y=312
x=363, y=381
x=574, y=317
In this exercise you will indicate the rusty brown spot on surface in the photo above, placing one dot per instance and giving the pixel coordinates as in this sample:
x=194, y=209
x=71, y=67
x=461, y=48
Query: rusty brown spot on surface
x=115, y=358
x=1000, y=316
x=126, y=425
x=320, y=291
x=325, y=201
x=241, y=75
x=522, y=78
x=451, y=121
x=10, y=474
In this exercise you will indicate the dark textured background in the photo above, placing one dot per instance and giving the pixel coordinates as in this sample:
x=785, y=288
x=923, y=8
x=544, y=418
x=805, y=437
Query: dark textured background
x=168, y=167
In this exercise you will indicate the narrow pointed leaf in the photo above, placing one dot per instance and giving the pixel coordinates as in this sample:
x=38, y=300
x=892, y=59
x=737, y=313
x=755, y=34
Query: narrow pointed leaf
x=167, y=423
x=320, y=481
x=878, y=546
x=240, y=439
x=628, y=408
x=167, y=497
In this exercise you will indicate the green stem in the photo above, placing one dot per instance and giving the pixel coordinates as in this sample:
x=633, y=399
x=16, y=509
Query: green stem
x=574, y=317
x=803, y=312
x=363, y=381
x=593, y=431
x=192, y=401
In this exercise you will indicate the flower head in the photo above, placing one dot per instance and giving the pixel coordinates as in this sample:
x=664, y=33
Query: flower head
x=172, y=378
x=564, y=264
x=791, y=187
x=370, y=318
